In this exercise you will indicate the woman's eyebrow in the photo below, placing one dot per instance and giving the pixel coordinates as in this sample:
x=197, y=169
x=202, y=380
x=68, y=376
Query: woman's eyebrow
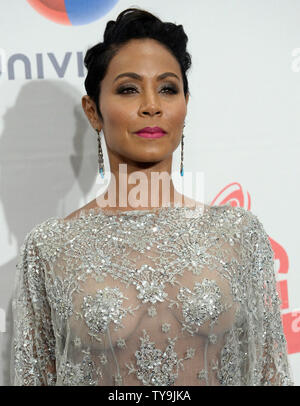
x=138, y=77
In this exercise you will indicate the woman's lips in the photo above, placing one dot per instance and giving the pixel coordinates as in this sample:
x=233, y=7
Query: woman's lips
x=150, y=135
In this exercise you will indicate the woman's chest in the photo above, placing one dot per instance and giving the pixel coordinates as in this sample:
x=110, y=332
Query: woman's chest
x=134, y=277
x=121, y=303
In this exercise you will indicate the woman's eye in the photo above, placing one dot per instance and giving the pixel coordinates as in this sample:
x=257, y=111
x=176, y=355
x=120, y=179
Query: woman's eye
x=171, y=89
x=127, y=90
x=122, y=90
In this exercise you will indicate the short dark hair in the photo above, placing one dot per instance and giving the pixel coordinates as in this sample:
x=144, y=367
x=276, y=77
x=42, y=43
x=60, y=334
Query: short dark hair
x=133, y=23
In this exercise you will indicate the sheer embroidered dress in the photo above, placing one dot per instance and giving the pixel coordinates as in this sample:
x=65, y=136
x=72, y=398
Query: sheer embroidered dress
x=162, y=297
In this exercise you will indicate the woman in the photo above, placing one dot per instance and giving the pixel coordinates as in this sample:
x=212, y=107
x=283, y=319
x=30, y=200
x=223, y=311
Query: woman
x=137, y=295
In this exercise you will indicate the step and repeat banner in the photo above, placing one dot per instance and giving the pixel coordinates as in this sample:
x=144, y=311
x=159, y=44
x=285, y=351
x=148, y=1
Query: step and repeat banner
x=242, y=132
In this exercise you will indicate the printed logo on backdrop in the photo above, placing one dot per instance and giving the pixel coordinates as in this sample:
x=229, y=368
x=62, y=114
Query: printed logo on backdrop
x=72, y=12
x=234, y=194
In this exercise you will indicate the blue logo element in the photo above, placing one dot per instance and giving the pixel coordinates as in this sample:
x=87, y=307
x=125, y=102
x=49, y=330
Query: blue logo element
x=84, y=12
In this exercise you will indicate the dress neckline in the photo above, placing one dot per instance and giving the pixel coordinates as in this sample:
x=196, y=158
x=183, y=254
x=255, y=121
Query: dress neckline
x=83, y=214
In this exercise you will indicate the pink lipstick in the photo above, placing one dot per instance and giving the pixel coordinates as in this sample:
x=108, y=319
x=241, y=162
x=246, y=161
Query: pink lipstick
x=151, y=132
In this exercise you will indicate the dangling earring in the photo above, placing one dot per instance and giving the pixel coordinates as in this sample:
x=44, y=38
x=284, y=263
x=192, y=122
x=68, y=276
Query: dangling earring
x=181, y=164
x=100, y=155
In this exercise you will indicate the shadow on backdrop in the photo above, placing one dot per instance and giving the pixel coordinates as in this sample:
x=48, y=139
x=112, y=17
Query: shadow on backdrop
x=46, y=147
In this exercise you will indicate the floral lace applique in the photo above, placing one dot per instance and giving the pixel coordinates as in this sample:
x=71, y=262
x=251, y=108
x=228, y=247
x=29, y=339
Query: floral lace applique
x=165, y=327
x=152, y=311
x=229, y=372
x=121, y=343
x=103, y=308
x=201, y=304
x=157, y=367
x=80, y=374
x=60, y=296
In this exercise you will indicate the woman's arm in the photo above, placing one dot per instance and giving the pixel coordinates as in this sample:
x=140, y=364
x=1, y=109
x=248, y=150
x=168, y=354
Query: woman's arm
x=272, y=358
x=33, y=344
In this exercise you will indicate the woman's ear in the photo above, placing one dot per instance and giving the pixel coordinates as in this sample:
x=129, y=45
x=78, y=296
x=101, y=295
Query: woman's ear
x=89, y=107
x=187, y=98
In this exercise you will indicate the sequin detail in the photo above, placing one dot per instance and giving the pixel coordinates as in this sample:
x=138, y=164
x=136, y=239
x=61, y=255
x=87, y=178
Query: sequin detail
x=80, y=374
x=201, y=304
x=151, y=291
x=102, y=309
x=60, y=296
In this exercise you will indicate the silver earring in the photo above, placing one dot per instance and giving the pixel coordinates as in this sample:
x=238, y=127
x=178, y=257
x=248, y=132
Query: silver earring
x=181, y=163
x=100, y=155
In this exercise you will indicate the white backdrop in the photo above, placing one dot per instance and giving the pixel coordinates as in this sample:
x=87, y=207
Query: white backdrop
x=242, y=127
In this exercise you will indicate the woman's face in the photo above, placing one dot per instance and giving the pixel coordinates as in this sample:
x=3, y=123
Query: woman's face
x=129, y=104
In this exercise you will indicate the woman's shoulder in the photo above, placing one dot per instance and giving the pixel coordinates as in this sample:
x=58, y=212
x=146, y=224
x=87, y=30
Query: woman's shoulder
x=246, y=226
x=241, y=222
x=45, y=237
x=237, y=213
x=229, y=213
x=38, y=232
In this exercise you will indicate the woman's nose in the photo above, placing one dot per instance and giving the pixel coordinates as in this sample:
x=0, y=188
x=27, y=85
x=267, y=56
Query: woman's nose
x=150, y=104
